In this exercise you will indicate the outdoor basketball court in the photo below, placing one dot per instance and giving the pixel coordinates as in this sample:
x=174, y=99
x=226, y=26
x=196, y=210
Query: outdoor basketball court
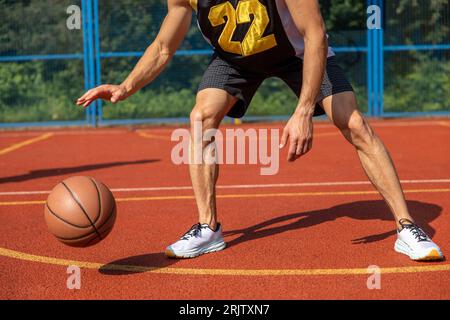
x=309, y=232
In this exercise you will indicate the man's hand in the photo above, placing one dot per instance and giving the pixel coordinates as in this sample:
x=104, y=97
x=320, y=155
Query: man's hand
x=299, y=131
x=309, y=22
x=109, y=92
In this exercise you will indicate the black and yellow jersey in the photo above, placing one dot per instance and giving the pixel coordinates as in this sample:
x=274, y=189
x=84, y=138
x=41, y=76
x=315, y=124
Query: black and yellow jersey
x=252, y=34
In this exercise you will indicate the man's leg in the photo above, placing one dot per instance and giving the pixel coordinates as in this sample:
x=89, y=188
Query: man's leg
x=221, y=84
x=343, y=111
x=206, y=236
x=411, y=240
x=211, y=107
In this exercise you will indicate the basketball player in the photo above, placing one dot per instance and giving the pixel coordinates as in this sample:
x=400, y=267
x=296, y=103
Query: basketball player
x=254, y=40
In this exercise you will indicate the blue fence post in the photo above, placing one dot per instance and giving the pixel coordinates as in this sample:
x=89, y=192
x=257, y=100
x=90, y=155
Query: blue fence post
x=90, y=33
x=379, y=63
x=87, y=81
x=376, y=72
x=370, y=87
x=375, y=65
x=381, y=43
x=98, y=65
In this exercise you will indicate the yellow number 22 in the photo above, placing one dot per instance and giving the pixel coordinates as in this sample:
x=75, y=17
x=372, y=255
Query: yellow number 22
x=253, y=41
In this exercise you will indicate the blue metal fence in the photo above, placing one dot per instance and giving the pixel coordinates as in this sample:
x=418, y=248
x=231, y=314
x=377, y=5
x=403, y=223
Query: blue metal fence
x=92, y=57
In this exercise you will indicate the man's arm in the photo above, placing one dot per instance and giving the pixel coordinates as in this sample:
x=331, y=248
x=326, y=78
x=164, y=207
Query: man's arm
x=309, y=22
x=308, y=19
x=155, y=59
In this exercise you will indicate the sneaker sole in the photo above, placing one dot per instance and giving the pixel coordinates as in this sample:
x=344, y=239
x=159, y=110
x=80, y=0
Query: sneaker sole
x=432, y=255
x=213, y=247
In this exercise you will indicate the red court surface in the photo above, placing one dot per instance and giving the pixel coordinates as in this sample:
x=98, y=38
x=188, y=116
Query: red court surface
x=309, y=232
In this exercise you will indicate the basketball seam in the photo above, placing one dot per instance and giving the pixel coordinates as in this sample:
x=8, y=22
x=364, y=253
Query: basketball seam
x=90, y=240
x=99, y=201
x=88, y=234
x=63, y=220
x=82, y=209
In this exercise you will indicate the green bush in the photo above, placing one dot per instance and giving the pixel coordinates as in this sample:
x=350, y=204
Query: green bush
x=36, y=91
x=272, y=98
x=33, y=91
x=425, y=88
x=152, y=104
x=45, y=90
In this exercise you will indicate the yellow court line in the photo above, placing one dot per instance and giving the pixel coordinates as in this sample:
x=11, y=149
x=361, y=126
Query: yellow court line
x=444, y=123
x=217, y=272
x=236, y=196
x=26, y=143
x=152, y=136
x=20, y=203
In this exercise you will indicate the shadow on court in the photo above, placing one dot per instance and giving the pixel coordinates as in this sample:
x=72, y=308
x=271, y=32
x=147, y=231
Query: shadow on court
x=137, y=264
x=370, y=211
x=422, y=212
x=36, y=174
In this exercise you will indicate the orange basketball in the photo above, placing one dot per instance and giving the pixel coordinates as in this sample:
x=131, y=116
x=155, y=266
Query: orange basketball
x=80, y=211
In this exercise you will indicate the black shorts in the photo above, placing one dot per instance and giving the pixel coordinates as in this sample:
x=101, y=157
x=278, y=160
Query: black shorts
x=243, y=83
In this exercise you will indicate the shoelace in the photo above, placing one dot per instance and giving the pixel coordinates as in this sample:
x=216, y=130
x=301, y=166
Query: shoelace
x=417, y=232
x=192, y=232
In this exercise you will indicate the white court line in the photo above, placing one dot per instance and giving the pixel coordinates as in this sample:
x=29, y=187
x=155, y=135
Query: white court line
x=242, y=186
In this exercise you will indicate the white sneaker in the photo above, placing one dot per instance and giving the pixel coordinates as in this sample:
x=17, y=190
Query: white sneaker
x=200, y=239
x=415, y=243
